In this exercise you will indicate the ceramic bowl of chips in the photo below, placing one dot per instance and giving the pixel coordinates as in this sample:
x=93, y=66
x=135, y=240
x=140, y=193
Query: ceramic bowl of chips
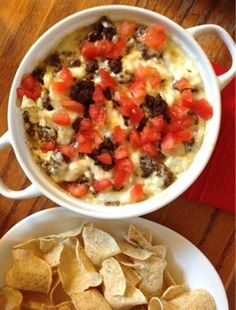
x=86, y=264
x=87, y=167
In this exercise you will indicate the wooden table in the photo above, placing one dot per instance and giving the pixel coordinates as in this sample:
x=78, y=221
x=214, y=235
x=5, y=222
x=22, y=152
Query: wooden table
x=23, y=21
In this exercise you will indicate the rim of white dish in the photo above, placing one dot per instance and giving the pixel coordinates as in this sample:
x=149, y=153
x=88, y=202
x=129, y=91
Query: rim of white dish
x=128, y=210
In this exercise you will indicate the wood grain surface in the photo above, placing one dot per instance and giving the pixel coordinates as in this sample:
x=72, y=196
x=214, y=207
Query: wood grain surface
x=23, y=21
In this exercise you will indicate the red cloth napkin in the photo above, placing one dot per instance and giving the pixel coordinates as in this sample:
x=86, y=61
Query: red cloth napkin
x=216, y=185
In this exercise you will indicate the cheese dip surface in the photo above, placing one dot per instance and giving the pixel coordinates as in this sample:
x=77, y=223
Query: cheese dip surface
x=115, y=113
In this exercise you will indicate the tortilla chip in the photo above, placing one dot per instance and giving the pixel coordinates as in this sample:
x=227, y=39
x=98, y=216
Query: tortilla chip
x=90, y=300
x=10, y=299
x=70, y=233
x=113, y=277
x=148, y=235
x=29, y=272
x=159, y=250
x=168, y=279
x=57, y=294
x=132, y=277
x=155, y=304
x=75, y=270
x=194, y=300
x=152, y=276
x=127, y=261
x=132, y=298
x=48, y=250
x=99, y=245
x=134, y=251
x=32, y=300
x=67, y=305
x=135, y=236
x=173, y=291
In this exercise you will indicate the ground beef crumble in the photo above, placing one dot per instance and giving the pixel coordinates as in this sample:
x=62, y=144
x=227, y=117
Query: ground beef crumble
x=82, y=92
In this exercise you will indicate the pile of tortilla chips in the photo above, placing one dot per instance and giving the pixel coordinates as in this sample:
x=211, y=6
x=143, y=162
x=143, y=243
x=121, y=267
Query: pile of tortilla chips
x=88, y=269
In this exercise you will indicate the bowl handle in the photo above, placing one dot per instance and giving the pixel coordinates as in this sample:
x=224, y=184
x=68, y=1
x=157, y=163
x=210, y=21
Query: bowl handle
x=225, y=78
x=29, y=192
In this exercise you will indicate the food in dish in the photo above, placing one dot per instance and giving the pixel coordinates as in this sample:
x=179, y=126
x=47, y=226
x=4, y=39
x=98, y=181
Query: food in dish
x=116, y=113
x=88, y=268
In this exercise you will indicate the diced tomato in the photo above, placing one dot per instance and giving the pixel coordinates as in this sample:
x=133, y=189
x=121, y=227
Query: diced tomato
x=136, y=193
x=183, y=84
x=137, y=91
x=103, y=48
x=106, y=79
x=87, y=133
x=130, y=109
x=96, y=137
x=32, y=94
x=97, y=114
x=183, y=135
x=127, y=28
x=149, y=134
x=86, y=147
x=102, y=185
x=158, y=122
x=89, y=50
x=187, y=122
x=61, y=118
x=171, y=140
x=85, y=124
x=181, y=124
x=136, y=114
x=150, y=149
x=60, y=87
x=69, y=151
x=73, y=106
x=135, y=139
x=180, y=118
x=202, y=108
x=120, y=177
x=118, y=48
x=105, y=158
x=149, y=76
x=98, y=95
x=168, y=143
x=119, y=134
x=29, y=87
x=48, y=146
x=187, y=98
x=125, y=164
x=178, y=112
x=77, y=190
x=80, y=137
x=122, y=171
x=28, y=82
x=21, y=92
x=66, y=75
x=126, y=106
x=153, y=36
x=121, y=152
x=96, y=49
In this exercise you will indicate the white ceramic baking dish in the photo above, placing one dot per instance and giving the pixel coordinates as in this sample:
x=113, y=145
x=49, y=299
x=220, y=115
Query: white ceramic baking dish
x=15, y=135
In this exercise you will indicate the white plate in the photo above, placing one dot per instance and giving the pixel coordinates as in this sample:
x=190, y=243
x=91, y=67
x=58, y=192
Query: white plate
x=185, y=261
